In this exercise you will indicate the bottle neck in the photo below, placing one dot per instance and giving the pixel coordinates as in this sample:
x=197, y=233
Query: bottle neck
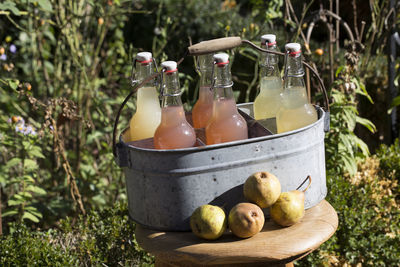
x=270, y=70
x=171, y=92
x=269, y=62
x=223, y=82
x=294, y=71
x=144, y=70
x=205, y=63
x=206, y=77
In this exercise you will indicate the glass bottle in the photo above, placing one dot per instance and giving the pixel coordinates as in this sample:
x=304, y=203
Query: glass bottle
x=202, y=110
x=267, y=102
x=145, y=121
x=295, y=111
x=174, y=131
x=226, y=123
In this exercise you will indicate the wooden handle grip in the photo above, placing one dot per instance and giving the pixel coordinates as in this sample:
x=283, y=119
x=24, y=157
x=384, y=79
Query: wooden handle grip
x=211, y=46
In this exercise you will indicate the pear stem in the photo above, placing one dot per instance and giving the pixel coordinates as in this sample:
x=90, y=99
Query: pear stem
x=309, y=183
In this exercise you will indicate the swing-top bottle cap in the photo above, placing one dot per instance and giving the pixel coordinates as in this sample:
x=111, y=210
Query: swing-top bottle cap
x=221, y=58
x=268, y=39
x=169, y=66
x=293, y=48
x=144, y=57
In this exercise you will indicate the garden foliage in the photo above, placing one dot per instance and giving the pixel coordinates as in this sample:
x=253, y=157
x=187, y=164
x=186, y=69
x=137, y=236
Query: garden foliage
x=64, y=70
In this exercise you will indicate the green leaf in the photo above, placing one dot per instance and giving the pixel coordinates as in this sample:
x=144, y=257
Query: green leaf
x=30, y=164
x=28, y=178
x=8, y=5
x=344, y=138
x=13, y=83
x=34, y=211
x=49, y=66
x=339, y=70
x=350, y=164
x=45, y=5
x=27, y=145
x=362, y=145
x=30, y=216
x=15, y=202
x=12, y=162
x=93, y=136
x=395, y=102
x=360, y=89
x=366, y=123
x=36, y=152
x=50, y=36
x=24, y=195
x=10, y=213
x=36, y=189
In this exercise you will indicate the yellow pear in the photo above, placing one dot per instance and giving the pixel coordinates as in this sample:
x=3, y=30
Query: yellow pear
x=246, y=220
x=262, y=188
x=208, y=222
x=289, y=208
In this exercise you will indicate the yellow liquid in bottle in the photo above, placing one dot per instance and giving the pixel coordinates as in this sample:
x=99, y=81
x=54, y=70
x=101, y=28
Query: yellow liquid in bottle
x=296, y=112
x=148, y=114
x=268, y=101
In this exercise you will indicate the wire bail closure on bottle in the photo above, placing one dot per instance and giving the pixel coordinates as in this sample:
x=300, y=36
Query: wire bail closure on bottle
x=215, y=78
x=162, y=85
x=270, y=58
x=133, y=80
x=286, y=75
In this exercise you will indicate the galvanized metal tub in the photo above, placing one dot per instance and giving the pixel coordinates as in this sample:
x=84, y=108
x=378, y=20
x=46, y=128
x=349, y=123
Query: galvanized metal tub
x=164, y=187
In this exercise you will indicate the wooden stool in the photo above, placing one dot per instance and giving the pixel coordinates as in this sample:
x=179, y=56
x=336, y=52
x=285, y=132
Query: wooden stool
x=273, y=246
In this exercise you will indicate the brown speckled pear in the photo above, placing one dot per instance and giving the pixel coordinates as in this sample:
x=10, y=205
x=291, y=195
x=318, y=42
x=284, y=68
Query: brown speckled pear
x=246, y=220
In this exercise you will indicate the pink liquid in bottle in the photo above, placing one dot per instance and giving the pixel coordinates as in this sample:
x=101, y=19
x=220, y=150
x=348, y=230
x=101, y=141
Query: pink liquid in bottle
x=174, y=131
x=226, y=123
x=202, y=110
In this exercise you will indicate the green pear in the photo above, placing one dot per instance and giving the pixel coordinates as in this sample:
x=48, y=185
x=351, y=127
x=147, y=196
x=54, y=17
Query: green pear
x=208, y=222
x=246, y=220
x=289, y=208
x=262, y=188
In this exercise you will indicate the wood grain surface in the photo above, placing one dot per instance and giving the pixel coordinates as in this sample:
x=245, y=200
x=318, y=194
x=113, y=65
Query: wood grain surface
x=273, y=244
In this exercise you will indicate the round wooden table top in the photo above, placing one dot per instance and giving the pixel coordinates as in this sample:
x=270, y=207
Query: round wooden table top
x=274, y=244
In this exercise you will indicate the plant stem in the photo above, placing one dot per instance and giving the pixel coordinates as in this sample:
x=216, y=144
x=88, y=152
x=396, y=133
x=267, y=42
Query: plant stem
x=1, y=225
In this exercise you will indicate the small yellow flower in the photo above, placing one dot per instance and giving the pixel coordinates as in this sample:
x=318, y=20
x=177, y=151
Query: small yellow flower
x=227, y=28
x=2, y=50
x=8, y=39
x=252, y=27
x=244, y=30
x=100, y=21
